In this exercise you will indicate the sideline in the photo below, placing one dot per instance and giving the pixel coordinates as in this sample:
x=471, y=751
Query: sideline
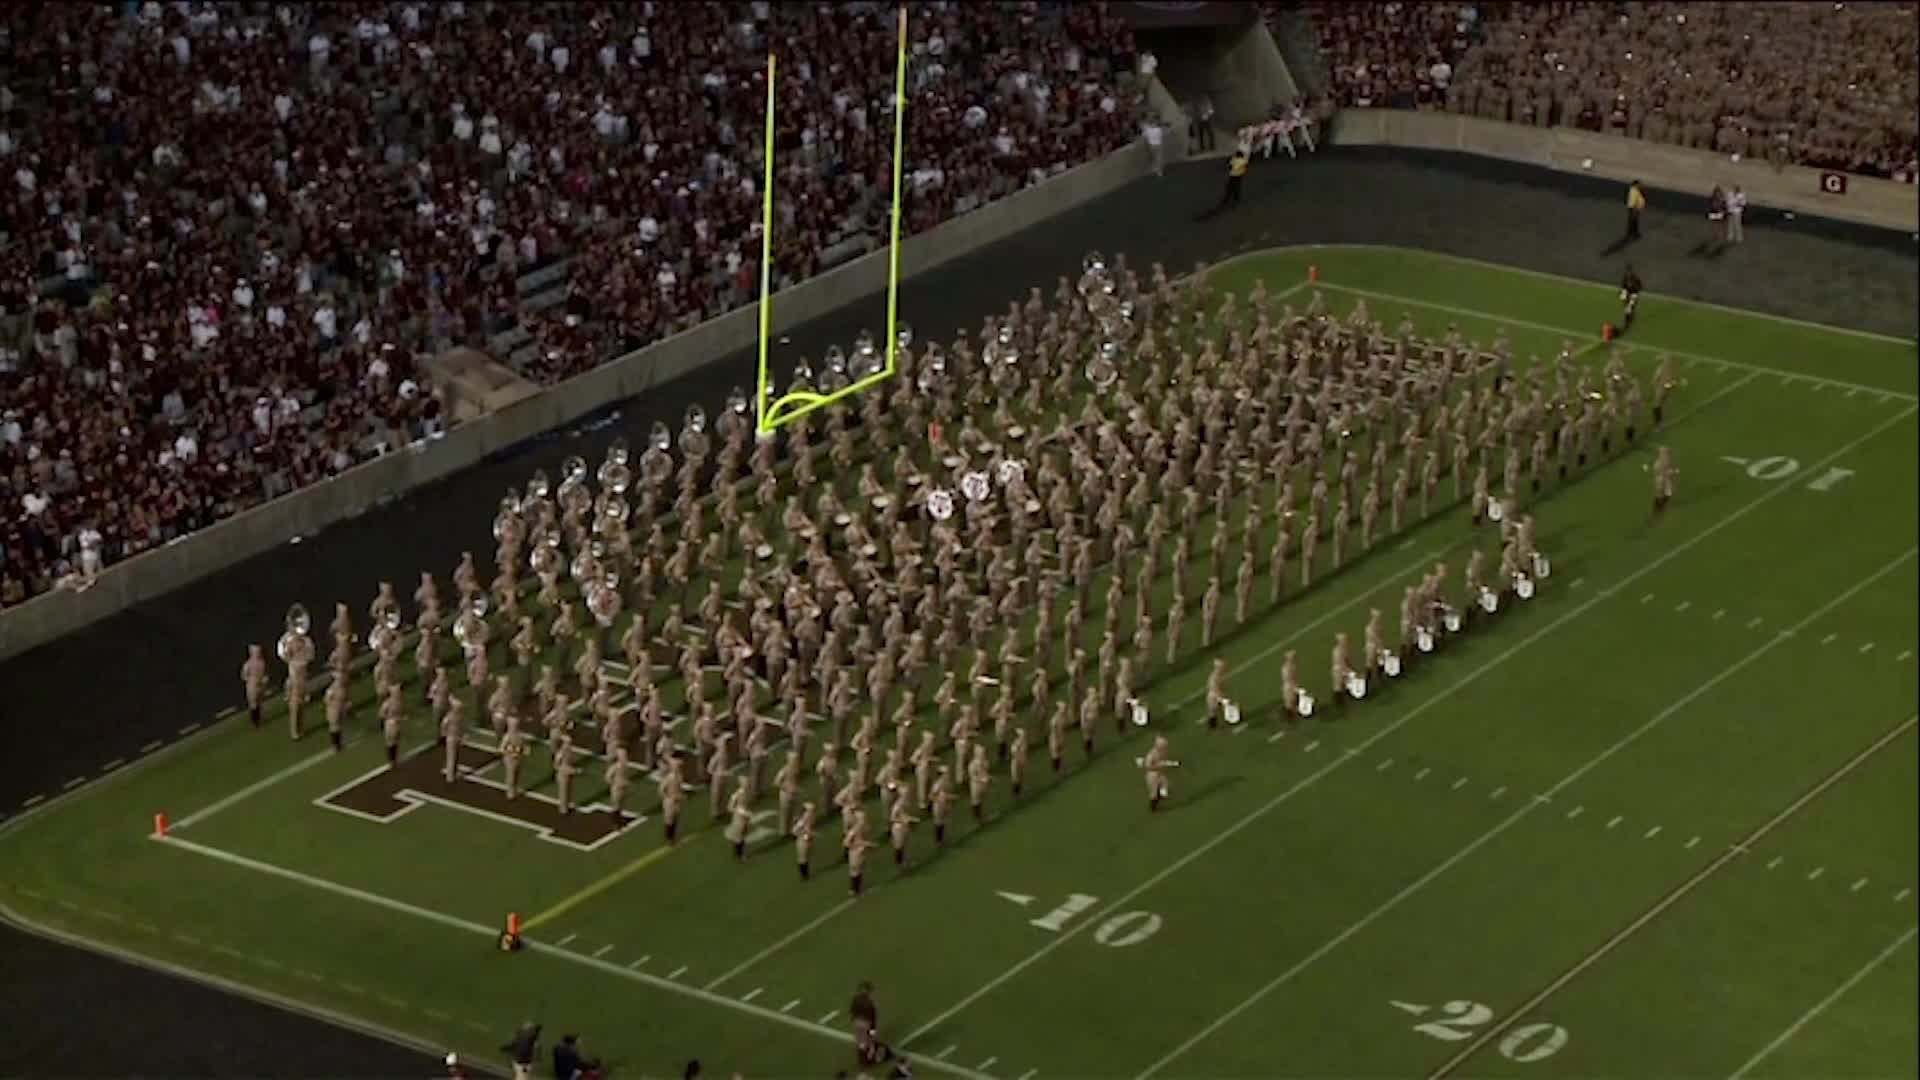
x=1823, y=1004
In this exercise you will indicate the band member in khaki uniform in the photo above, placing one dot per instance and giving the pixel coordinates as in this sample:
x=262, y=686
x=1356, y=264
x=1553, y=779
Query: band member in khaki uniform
x=740, y=817
x=787, y=783
x=296, y=696
x=940, y=804
x=1374, y=643
x=1341, y=667
x=856, y=843
x=1057, y=728
x=979, y=779
x=453, y=732
x=392, y=711
x=1664, y=472
x=900, y=821
x=673, y=794
x=617, y=777
x=1017, y=754
x=565, y=766
x=336, y=702
x=253, y=680
x=1216, y=692
x=1158, y=760
x=802, y=833
x=513, y=755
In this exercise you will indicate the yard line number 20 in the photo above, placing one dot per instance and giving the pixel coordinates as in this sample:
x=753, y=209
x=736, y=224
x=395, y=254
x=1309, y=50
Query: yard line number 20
x=1525, y=1044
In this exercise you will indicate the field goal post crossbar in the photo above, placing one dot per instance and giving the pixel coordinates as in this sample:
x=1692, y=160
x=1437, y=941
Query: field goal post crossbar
x=770, y=414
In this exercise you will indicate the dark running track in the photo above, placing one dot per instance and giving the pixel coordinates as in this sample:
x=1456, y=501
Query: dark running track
x=73, y=1014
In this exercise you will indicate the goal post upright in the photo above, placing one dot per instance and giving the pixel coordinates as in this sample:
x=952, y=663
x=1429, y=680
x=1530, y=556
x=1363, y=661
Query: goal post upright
x=771, y=415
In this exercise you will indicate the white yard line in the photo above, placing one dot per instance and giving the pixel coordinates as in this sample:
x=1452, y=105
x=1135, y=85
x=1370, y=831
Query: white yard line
x=1221, y=837
x=1527, y=808
x=1601, y=286
x=454, y=922
x=1824, y=1003
x=1545, y=328
x=809, y=928
x=254, y=788
x=1733, y=852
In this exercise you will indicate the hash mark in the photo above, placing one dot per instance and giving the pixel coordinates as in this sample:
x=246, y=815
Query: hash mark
x=562, y=943
x=392, y=1002
x=31, y=799
x=152, y=746
x=1497, y=792
x=1867, y=648
x=602, y=951
x=1689, y=844
x=145, y=926
x=942, y=1055
x=988, y=1064
x=827, y=1018
x=1852, y=390
x=677, y=972
x=1239, y=729
x=1577, y=582
x=1858, y=885
x=1651, y=833
x=1312, y=744
x=1719, y=614
x=1028, y=1075
x=1817, y=871
x=1682, y=606
x=439, y=1014
x=310, y=976
x=73, y=783
x=189, y=729
x=1753, y=622
x=1617, y=819
x=1773, y=862
x=1902, y=895
x=1385, y=764
x=353, y=989
x=1647, y=598
x=117, y=762
x=640, y=963
x=1276, y=736
x=1575, y=812
x=751, y=994
x=1422, y=774
x=1903, y=655
x=790, y=1006
x=1460, y=783
x=1828, y=640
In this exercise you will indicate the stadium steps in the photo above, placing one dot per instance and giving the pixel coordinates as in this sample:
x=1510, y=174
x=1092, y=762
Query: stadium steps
x=1299, y=42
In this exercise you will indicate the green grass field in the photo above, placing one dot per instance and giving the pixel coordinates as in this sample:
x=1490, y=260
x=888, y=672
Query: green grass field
x=1657, y=822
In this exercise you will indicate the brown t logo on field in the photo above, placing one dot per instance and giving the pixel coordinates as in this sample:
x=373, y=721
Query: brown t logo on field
x=387, y=794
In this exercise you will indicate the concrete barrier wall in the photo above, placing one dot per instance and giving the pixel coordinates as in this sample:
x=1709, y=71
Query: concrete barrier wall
x=1867, y=201
x=305, y=512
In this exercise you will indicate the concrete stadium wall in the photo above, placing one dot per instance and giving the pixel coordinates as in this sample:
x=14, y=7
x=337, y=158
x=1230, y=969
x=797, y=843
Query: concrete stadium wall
x=1867, y=201
x=305, y=512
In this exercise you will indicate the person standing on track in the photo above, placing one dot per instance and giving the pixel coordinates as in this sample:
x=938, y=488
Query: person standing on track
x=1636, y=205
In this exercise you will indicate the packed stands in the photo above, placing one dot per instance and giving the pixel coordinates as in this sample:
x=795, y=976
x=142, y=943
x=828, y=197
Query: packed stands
x=235, y=231
x=1832, y=85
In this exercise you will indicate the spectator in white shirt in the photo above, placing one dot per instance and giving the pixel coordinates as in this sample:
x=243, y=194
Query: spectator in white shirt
x=1156, y=137
x=186, y=448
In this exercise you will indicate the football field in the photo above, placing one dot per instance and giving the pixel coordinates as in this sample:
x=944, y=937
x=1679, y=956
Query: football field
x=1657, y=821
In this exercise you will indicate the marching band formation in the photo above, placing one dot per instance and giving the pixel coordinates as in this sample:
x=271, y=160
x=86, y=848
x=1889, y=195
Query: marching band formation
x=903, y=595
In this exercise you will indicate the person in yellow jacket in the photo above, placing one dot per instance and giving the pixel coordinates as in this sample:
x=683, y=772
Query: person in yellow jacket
x=1636, y=202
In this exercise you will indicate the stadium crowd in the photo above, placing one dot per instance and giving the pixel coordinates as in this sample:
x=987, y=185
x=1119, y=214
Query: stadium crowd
x=235, y=231
x=1831, y=85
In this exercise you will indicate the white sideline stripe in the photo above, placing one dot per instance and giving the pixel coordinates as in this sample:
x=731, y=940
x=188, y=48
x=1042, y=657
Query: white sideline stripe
x=1598, y=286
x=253, y=789
x=1565, y=782
x=454, y=922
x=1686, y=887
x=1756, y=369
x=1824, y=1003
x=1389, y=728
x=782, y=943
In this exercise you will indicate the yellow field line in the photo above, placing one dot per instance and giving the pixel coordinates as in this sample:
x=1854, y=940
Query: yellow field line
x=598, y=887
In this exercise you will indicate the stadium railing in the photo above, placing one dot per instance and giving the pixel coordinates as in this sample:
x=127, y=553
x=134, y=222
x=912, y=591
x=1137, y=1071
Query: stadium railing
x=302, y=513
x=1858, y=199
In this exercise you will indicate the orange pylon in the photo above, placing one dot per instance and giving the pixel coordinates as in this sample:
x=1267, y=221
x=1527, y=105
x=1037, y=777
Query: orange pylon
x=160, y=826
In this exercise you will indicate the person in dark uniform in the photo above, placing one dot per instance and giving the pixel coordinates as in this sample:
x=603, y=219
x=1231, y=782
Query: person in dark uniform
x=1629, y=297
x=866, y=1023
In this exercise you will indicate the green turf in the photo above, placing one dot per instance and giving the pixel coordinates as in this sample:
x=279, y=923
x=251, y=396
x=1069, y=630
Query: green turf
x=1535, y=824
